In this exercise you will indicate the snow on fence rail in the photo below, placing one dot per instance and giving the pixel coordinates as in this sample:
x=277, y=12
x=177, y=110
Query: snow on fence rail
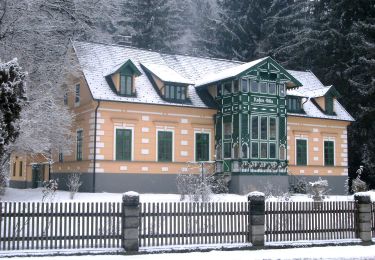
x=186, y=223
x=293, y=221
x=59, y=225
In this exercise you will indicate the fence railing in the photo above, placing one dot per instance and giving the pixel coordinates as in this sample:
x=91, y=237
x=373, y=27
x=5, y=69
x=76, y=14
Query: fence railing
x=59, y=225
x=186, y=223
x=131, y=225
x=293, y=221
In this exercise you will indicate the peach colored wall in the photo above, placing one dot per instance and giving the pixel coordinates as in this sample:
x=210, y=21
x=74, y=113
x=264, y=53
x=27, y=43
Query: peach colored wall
x=316, y=131
x=321, y=102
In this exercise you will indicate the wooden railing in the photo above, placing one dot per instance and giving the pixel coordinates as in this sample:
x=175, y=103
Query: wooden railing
x=293, y=221
x=185, y=223
x=59, y=225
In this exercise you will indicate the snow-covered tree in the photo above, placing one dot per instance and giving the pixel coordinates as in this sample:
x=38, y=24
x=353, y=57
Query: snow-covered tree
x=12, y=98
x=152, y=24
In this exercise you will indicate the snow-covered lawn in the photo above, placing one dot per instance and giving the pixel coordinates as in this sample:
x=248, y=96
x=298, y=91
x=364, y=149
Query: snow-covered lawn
x=35, y=195
x=329, y=252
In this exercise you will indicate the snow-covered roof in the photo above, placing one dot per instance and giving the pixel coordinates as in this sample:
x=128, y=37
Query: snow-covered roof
x=166, y=74
x=98, y=60
x=227, y=73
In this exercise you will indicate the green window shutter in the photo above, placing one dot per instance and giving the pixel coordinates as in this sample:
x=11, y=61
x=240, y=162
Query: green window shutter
x=301, y=150
x=165, y=146
x=123, y=144
x=282, y=128
x=201, y=147
x=329, y=153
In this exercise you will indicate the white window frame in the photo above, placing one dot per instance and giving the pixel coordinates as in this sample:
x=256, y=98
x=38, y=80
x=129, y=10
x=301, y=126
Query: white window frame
x=331, y=139
x=209, y=143
x=114, y=141
x=307, y=150
x=157, y=143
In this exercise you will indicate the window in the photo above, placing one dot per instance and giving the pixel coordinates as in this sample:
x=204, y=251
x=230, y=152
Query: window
x=218, y=152
x=227, y=130
x=78, y=94
x=61, y=157
x=263, y=150
x=126, y=85
x=20, y=169
x=272, y=151
x=66, y=99
x=254, y=150
x=79, y=145
x=236, y=151
x=254, y=86
x=301, y=152
x=244, y=125
x=175, y=92
x=272, y=89
x=165, y=149
x=202, y=147
x=14, y=168
x=329, y=153
x=282, y=90
x=272, y=128
x=294, y=104
x=235, y=86
x=244, y=85
x=244, y=151
x=123, y=144
x=329, y=104
x=219, y=91
x=227, y=150
x=254, y=127
x=227, y=88
x=263, y=128
x=263, y=87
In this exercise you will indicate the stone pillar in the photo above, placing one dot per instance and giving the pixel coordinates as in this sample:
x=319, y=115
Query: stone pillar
x=257, y=218
x=130, y=221
x=363, y=216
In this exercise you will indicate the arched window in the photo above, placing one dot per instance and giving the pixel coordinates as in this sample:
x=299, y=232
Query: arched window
x=245, y=150
x=236, y=151
x=282, y=152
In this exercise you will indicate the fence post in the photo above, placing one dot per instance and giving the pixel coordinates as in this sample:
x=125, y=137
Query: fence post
x=130, y=222
x=363, y=216
x=256, y=218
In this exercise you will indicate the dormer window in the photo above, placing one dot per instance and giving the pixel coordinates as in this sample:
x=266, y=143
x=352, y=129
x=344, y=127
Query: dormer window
x=175, y=92
x=122, y=78
x=126, y=85
x=294, y=104
x=329, y=104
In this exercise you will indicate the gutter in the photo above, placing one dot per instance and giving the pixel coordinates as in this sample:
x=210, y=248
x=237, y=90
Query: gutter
x=94, y=166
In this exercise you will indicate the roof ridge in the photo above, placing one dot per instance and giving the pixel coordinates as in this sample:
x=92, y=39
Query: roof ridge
x=161, y=52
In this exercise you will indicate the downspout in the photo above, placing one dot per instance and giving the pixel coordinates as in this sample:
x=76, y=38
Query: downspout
x=94, y=166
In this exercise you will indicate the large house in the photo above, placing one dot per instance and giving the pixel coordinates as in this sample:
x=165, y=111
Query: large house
x=141, y=116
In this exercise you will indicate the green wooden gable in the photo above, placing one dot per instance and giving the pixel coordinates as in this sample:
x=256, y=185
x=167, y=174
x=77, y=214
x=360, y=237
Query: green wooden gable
x=269, y=69
x=127, y=68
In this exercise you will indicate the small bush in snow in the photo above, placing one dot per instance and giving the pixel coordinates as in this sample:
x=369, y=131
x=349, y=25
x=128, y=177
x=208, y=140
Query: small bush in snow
x=319, y=189
x=49, y=190
x=300, y=186
x=358, y=185
x=74, y=182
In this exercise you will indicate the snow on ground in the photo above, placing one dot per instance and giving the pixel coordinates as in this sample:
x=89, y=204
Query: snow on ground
x=35, y=195
x=329, y=252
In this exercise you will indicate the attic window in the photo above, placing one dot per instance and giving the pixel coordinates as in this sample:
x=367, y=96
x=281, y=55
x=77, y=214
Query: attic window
x=294, y=105
x=174, y=92
x=329, y=104
x=126, y=85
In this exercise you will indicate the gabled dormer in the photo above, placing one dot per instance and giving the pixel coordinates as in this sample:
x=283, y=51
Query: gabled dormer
x=122, y=78
x=171, y=86
x=324, y=98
